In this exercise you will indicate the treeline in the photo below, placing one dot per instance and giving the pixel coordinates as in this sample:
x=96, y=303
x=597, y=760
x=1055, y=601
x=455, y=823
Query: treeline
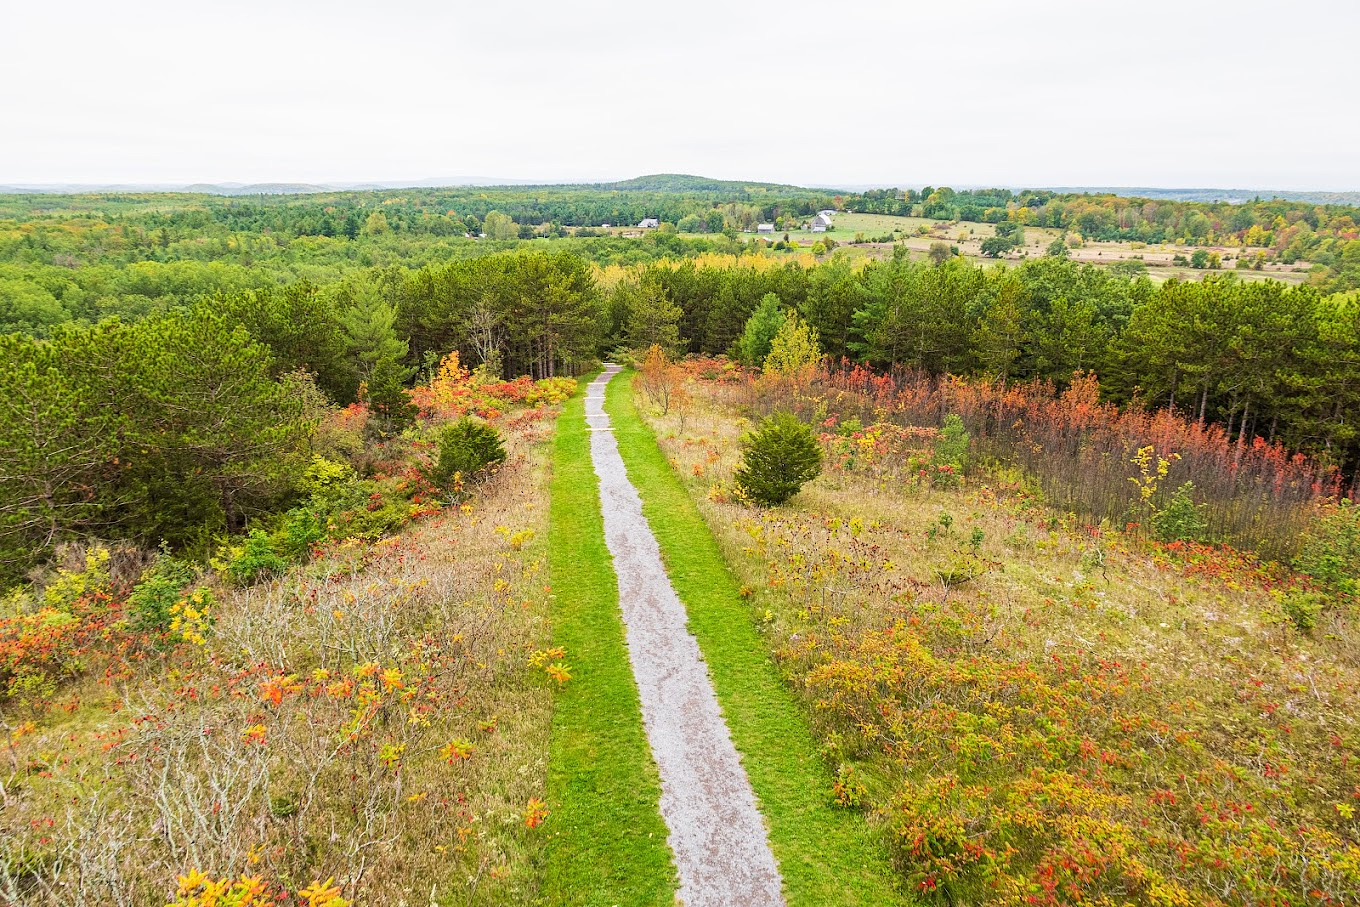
x=53, y=283
x=190, y=421
x=1113, y=217
x=528, y=313
x=159, y=219
x=1260, y=359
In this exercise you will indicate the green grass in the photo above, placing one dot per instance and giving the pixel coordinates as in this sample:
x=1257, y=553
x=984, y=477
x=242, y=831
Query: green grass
x=827, y=855
x=607, y=843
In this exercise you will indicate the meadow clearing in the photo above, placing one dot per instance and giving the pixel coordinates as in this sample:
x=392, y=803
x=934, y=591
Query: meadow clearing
x=1032, y=709
x=943, y=688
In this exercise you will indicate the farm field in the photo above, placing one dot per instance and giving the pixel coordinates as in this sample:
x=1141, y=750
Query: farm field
x=968, y=238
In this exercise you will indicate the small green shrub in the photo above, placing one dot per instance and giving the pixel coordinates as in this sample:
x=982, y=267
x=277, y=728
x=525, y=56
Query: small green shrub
x=160, y=587
x=256, y=559
x=951, y=453
x=69, y=586
x=300, y=530
x=1331, y=551
x=778, y=459
x=326, y=480
x=1303, y=609
x=951, y=449
x=383, y=512
x=849, y=428
x=1181, y=520
x=849, y=791
x=467, y=448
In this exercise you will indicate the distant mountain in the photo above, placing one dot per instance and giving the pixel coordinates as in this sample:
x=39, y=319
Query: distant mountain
x=84, y=188
x=233, y=189
x=660, y=183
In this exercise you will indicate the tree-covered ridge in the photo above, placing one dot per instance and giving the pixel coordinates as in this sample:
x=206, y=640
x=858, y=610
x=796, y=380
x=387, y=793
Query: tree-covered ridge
x=426, y=224
x=690, y=184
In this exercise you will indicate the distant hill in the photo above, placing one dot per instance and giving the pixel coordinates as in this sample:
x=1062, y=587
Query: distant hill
x=684, y=183
x=657, y=183
x=194, y=189
x=668, y=183
x=1235, y=196
x=255, y=188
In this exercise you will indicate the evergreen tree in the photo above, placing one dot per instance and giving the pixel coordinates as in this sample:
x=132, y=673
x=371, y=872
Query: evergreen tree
x=778, y=459
x=651, y=318
x=760, y=331
x=369, y=325
x=387, y=396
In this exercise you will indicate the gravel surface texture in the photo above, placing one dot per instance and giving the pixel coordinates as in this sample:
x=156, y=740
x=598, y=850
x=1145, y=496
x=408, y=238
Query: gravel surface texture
x=717, y=834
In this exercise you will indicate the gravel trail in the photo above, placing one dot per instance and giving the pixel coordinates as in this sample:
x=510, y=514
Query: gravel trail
x=716, y=831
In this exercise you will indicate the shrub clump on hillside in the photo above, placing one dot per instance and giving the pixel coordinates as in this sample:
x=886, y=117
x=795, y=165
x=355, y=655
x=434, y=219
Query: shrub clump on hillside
x=778, y=459
x=951, y=453
x=153, y=599
x=339, y=505
x=467, y=448
x=1331, y=552
x=1181, y=520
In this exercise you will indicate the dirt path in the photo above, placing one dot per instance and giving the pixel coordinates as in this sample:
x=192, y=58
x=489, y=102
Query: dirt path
x=716, y=831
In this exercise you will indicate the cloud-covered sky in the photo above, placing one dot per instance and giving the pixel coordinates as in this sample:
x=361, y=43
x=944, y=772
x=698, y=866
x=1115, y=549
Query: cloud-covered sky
x=835, y=92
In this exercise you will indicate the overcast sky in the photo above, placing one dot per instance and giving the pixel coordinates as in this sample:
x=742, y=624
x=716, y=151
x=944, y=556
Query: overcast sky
x=1245, y=94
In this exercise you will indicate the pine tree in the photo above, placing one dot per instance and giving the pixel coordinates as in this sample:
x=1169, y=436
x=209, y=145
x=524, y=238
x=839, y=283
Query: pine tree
x=652, y=319
x=760, y=331
x=778, y=459
x=387, y=396
x=369, y=325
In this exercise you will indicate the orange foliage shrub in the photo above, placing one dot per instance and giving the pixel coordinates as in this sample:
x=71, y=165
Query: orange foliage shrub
x=455, y=392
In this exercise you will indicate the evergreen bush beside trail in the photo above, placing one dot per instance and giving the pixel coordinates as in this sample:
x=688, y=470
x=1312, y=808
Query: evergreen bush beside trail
x=779, y=458
x=467, y=448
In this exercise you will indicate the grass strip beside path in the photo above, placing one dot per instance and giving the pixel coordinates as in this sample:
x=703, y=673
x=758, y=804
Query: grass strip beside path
x=827, y=855
x=608, y=840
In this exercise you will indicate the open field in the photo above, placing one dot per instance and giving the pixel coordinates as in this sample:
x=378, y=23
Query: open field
x=968, y=237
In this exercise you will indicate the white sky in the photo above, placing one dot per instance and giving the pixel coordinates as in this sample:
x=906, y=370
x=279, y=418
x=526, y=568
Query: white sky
x=1244, y=94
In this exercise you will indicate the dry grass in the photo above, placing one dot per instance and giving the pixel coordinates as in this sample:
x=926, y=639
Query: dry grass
x=373, y=716
x=976, y=663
